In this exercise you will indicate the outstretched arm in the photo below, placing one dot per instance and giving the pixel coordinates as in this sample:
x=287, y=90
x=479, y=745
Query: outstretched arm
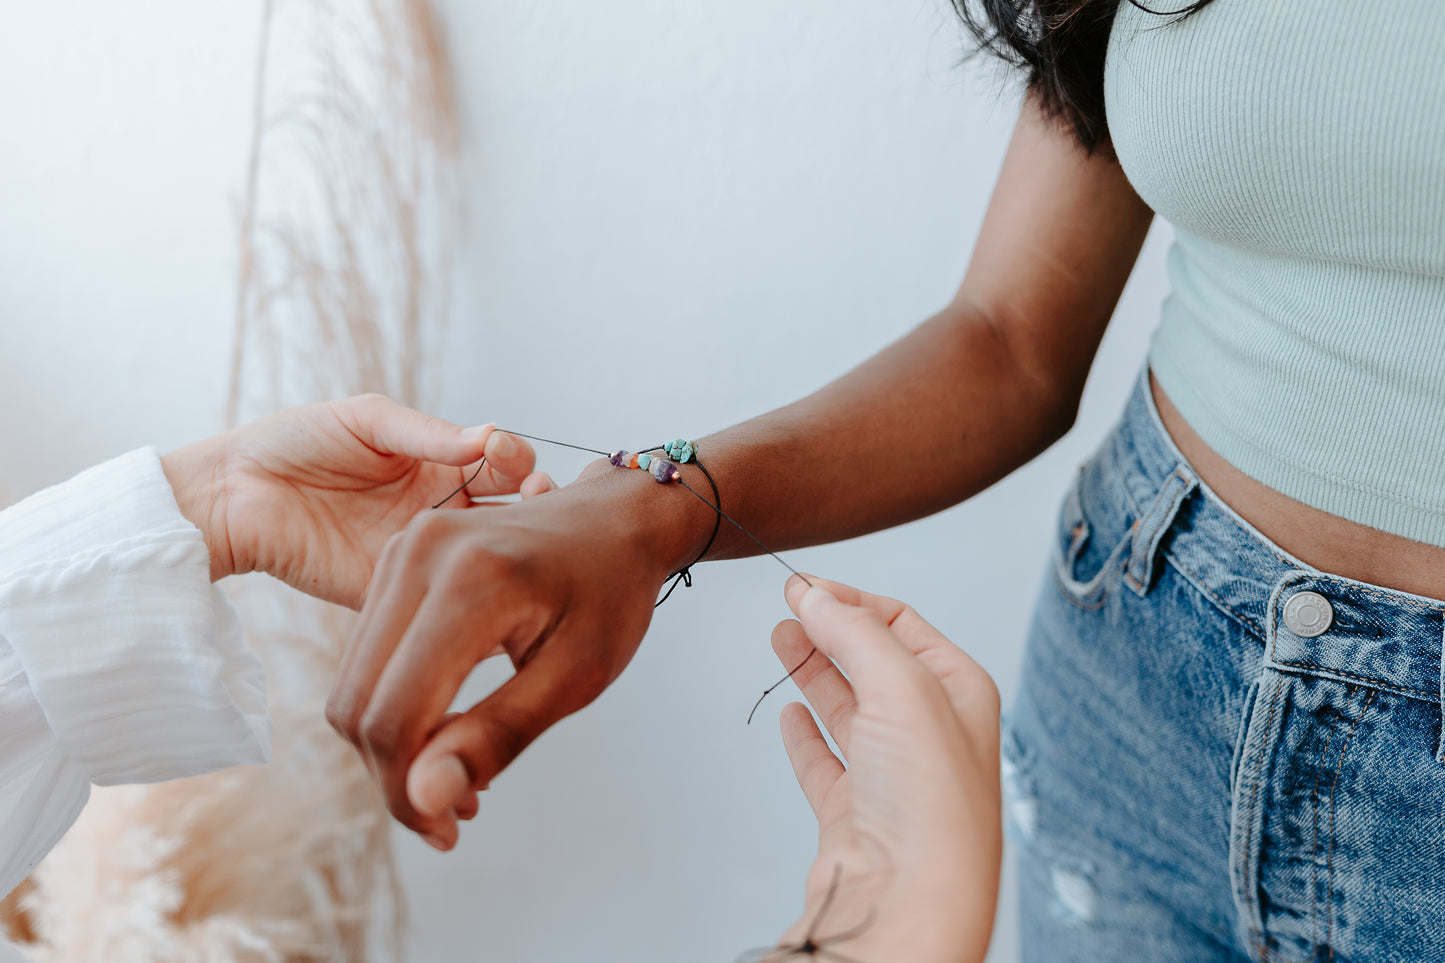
x=565, y=584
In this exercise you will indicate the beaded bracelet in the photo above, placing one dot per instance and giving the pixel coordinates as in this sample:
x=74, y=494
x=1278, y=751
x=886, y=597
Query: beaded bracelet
x=664, y=470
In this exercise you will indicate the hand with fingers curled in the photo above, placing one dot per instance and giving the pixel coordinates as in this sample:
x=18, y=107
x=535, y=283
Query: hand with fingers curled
x=312, y=494
x=909, y=820
x=562, y=585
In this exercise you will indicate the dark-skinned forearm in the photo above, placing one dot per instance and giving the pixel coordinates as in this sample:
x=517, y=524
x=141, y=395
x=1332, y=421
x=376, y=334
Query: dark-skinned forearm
x=935, y=418
x=956, y=404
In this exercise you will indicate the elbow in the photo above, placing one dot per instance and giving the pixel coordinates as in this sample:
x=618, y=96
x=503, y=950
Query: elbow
x=1047, y=383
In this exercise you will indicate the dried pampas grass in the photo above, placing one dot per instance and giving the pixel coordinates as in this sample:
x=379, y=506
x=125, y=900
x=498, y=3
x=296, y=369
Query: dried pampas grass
x=350, y=203
x=284, y=862
x=343, y=269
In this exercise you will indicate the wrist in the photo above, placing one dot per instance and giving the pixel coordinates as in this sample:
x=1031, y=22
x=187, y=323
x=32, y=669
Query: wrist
x=665, y=522
x=197, y=477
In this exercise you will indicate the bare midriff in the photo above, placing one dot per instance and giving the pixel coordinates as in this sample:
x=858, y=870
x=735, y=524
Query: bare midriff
x=1327, y=542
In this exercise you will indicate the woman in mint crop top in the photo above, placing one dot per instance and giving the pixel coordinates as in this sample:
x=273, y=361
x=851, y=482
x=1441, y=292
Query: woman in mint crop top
x=1228, y=741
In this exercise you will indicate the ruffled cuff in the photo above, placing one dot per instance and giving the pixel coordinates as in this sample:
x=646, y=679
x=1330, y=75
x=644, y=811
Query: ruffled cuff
x=136, y=659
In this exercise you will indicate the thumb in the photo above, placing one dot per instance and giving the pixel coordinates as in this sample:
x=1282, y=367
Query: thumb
x=437, y=784
x=392, y=429
x=466, y=753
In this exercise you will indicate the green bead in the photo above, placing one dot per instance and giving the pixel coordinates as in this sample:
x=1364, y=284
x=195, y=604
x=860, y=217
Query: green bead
x=643, y=461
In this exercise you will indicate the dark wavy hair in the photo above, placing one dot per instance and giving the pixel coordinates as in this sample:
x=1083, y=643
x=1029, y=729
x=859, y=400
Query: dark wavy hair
x=1061, y=44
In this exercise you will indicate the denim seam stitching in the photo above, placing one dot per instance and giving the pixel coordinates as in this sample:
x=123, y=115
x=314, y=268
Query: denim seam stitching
x=1315, y=840
x=1197, y=581
x=1253, y=798
x=1162, y=528
x=1381, y=683
x=1330, y=860
x=1389, y=596
x=1101, y=588
x=1209, y=495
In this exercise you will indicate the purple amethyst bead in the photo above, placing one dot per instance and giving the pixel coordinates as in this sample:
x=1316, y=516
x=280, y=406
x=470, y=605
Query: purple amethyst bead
x=620, y=458
x=664, y=470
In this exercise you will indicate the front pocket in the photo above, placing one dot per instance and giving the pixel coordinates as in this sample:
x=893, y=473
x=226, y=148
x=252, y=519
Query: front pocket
x=1087, y=545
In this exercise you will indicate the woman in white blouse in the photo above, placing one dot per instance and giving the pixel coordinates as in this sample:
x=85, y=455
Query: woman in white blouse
x=120, y=662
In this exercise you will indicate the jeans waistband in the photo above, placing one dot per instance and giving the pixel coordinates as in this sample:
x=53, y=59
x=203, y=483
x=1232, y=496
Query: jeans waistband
x=1363, y=634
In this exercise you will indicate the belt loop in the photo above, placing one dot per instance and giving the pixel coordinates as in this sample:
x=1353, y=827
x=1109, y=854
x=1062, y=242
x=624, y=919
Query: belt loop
x=1151, y=526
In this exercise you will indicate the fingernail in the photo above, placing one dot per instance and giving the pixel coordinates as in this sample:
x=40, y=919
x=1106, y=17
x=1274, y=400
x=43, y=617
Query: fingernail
x=435, y=842
x=815, y=597
x=444, y=780
x=474, y=434
x=505, y=446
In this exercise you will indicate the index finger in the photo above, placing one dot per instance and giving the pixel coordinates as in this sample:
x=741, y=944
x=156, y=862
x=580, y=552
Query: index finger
x=493, y=733
x=456, y=627
x=858, y=641
x=968, y=685
x=907, y=625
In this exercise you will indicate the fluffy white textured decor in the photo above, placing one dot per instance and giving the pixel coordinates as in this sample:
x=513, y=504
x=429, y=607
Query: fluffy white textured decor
x=284, y=862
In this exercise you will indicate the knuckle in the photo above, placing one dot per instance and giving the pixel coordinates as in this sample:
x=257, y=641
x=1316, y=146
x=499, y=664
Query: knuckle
x=432, y=425
x=381, y=733
x=400, y=808
x=342, y=718
x=509, y=735
x=428, y=525
x=855, y=618
x=480, y=563
x=837, y=718
x=363, y=409
x=426, y=532
x=395, y=544
x=591, y=672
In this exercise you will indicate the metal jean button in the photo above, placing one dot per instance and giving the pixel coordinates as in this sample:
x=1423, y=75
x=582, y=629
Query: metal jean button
x=1308, y=614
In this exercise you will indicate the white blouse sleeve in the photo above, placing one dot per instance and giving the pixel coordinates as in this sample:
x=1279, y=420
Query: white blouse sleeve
x=119, y=660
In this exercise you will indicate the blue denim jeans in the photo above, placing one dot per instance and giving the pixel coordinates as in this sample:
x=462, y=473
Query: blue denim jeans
x=1218, y=753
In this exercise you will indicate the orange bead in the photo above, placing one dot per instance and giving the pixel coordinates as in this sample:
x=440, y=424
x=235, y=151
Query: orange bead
x=632, y=462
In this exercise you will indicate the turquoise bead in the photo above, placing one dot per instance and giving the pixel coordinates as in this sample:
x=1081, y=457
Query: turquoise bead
x=643, y=461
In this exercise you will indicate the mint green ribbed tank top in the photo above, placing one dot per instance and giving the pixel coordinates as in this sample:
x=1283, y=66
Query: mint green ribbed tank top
x=1298, y=149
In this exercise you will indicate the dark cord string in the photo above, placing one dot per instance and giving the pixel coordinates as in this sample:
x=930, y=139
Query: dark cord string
x=702, y=498
x=813, y=945
x=769, y=690
x=549, y=441
x=463, y=487
x=685, y=575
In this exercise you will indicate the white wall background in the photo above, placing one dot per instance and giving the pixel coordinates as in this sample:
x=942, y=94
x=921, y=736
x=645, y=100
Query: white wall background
x=743, y=199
